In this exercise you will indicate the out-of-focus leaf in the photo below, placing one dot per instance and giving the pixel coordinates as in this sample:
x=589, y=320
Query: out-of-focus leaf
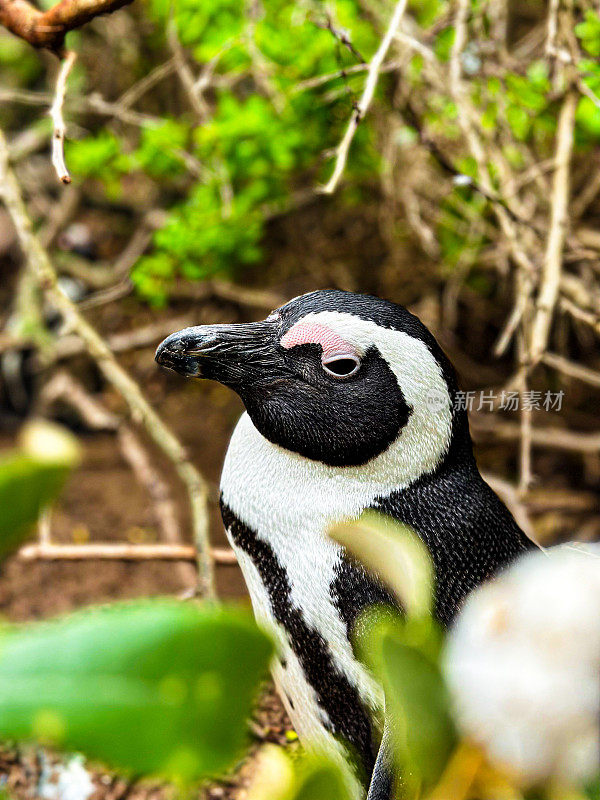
x=273, y=777
x=151, y=687
x=417, y=703
x=395, y=553
x=30, y=477
x=592, y=790
x=276, y=777
x=321, y=780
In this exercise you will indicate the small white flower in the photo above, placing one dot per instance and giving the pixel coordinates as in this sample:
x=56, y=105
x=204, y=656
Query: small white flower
x=70, y=781
x=523, y=665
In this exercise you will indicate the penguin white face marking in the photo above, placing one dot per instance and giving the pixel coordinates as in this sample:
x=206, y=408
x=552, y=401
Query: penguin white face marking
x=418, y=375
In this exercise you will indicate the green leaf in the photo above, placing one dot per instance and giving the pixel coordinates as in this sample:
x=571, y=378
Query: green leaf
x=321, y=781
x=395, y=553
x=589, y=33
x=31, y=477
x=276, y=777
x=587, y=117
x=405, y=659
x=149, y=687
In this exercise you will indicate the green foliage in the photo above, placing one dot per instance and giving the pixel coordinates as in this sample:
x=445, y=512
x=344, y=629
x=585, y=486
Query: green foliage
x=320, y=780
x=259, y=139
x=589, y=33
x=404, y=653
x=405, y=657
x=149, y=687
x=19, y=62
x=30, y=477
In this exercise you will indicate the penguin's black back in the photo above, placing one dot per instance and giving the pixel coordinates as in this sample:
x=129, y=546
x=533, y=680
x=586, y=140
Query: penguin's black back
x=468, y=531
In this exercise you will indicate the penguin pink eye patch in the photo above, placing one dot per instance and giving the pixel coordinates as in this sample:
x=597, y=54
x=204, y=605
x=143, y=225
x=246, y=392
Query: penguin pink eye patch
x=338, y=357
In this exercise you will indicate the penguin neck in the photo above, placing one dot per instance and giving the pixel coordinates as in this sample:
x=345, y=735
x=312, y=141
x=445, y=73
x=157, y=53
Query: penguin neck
x=261, y=479
x=290, y=502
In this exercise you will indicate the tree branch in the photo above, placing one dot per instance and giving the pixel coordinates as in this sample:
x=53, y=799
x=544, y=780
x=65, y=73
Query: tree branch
x=58, y=134
x=49, y=28
x=108, y=551
x=551, y=271
x=365, y=101
x=40, y=266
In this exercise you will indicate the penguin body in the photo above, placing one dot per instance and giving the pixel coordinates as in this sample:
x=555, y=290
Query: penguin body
x=350, y=406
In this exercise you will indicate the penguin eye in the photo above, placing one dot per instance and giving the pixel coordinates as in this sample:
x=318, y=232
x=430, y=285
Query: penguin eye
x=342, y=366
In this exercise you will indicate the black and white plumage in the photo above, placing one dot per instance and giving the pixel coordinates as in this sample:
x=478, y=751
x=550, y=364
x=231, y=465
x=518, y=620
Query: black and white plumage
x=350, y=405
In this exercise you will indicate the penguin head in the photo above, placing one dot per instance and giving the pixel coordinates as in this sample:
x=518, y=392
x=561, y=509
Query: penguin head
x=335, y=377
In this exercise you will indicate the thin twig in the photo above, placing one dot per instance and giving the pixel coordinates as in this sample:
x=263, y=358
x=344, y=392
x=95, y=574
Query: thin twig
x=365, y=101
x=510, y=496
x=184, y=72
x=40, y=266
x=109, y=551
x=340, y=35
x=319, y=80
x=552, y=266
x=549, y=438
x=64, y=387
x=58, y=123
x=567, y=367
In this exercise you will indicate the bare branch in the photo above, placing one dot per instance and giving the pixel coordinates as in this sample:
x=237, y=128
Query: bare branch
x=510, y=496
x=367, y=96
x=550, y=280
x=567, y=367
x=58, y=123
x=49, y=28
x=549, y=438
x=41, y=267
x=108, y=551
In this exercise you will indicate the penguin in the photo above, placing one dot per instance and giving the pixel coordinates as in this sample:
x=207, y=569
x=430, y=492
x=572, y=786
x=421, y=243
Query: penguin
x=351, y=404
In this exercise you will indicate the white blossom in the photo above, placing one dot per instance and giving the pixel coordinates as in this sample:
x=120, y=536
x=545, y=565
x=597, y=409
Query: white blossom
x=70, y=781
x=523, y=665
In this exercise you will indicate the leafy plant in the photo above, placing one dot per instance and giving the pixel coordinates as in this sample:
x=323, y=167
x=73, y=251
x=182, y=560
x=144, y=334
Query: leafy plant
x=30, y=477
x=149, y=687
x=279, y=777
x=152, y=686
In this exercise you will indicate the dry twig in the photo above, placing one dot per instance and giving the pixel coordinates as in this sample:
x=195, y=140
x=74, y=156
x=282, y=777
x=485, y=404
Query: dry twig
x=552, y=266
x=58, y=123
x=108, y=551
x=49, y=28
x=365, y=101
x=41, y=267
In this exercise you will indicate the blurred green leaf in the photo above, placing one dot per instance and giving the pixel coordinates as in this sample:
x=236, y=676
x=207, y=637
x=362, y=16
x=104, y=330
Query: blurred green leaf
x=149, y=687
x=321, y=781
x=277, y=777
x=395, y=553
x=589, y=32
x=587, y=116
x=405, y=658
x=31, y=477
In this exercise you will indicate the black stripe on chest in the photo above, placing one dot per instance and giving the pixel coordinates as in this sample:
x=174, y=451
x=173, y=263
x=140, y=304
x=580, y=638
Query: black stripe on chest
x=353, y=591
x=348, y=717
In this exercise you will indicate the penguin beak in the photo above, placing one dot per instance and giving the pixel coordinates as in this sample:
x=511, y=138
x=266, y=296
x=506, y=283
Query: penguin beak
x=226, y=353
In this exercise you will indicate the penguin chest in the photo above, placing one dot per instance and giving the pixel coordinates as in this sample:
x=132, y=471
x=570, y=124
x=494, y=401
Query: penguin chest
x=276, y=510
